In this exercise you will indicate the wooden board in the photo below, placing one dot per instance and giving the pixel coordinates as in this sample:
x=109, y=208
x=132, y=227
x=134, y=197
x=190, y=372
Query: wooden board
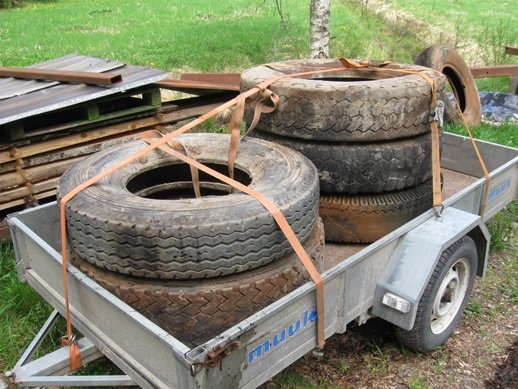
x=104, y=132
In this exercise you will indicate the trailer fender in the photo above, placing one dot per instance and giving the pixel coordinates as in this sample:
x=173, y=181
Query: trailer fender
x=414, y=258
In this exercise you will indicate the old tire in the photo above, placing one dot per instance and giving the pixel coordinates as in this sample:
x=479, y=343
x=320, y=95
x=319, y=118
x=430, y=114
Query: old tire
x=347, y=106
x=367, y=218
x=449, y=62
x=113, y=227
x=353, y=168
x=197, y=310
x=444, y=299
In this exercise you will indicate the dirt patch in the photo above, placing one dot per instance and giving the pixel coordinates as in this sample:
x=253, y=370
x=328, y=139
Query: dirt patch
x=507, y=373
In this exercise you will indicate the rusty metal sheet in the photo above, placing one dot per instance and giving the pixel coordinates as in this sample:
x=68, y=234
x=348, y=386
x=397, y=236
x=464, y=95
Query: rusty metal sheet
x=10, y=87
x=60, y=75
x=196, y=87
x=214, y=78
x=64, y=95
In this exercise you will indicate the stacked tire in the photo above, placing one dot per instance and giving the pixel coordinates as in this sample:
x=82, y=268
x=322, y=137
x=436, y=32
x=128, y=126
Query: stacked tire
x=368, y=133
x=194, y=266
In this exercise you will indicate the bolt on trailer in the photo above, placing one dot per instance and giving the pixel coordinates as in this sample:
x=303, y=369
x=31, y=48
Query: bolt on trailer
x=430, y=260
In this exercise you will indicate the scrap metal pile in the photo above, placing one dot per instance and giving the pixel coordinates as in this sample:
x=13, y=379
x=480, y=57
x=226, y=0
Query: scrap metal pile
x=48, y=126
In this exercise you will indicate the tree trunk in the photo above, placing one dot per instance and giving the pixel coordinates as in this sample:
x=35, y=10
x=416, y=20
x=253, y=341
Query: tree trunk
x=319, y=22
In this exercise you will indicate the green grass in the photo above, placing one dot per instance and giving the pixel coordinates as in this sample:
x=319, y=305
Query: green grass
x=22, y=312
x=491, y=24
x=291, y=379
x=185, y=35
x=504, y=134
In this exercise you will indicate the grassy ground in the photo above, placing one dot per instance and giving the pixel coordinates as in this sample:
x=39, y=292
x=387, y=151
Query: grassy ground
x=182, y=35
x=224, y=36
x=492, y=24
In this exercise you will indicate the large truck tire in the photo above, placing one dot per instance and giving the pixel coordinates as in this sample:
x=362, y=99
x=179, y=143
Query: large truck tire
x=449, y=62
x=354, y=168
x=444, y=299
x=143, y=219
x=345, y=106
x=195, y=311
x=367, y=218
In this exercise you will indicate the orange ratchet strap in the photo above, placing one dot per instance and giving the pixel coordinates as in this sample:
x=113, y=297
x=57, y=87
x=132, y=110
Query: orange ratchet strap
x=74, y=354
x=279, y=218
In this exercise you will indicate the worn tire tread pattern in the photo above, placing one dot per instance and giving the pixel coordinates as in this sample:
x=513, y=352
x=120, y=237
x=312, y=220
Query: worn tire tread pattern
x=382, y=108
x=366, y=218
x=353, y=168
x=196, y=311
x=116, y=230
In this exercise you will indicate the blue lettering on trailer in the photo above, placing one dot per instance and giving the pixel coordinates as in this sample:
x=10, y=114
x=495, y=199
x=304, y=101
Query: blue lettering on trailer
x=499, y=189
x=265, y=346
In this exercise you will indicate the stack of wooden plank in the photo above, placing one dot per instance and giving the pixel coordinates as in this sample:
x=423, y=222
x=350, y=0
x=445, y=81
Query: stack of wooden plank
x=48, y=126
x=30, y=169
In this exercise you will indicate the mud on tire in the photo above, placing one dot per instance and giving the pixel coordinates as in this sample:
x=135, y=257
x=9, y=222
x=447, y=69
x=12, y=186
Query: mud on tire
x=198, y=310
x=353, y=168
x=346, y=106
x=143, y=220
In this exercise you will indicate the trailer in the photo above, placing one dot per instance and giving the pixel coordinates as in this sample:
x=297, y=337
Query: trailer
x=386, y=279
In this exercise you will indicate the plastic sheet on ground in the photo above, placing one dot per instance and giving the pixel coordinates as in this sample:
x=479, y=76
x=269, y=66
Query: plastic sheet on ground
x=499, y=107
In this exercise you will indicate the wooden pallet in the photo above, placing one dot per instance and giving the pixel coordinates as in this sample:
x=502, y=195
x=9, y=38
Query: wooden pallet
x=29, y=172
x=82, y=115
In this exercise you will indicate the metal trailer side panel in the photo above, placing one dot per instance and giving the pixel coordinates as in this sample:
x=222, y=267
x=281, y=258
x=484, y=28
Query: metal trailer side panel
x=148, y=354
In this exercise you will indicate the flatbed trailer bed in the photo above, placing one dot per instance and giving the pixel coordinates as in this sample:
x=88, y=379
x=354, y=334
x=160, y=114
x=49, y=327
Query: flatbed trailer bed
x=357, y=278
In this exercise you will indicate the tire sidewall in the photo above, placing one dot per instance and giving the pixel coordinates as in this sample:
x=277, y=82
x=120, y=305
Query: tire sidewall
x=448, y=61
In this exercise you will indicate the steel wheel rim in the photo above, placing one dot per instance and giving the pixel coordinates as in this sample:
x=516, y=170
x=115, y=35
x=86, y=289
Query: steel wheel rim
x=450, y=296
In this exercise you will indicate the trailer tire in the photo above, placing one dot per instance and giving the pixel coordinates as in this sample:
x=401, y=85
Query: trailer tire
x=449, y=62
x=453, y=280
x=358, y=168
x=195, y=311
x=114, y=226
x=346, y=106
x=367, y=218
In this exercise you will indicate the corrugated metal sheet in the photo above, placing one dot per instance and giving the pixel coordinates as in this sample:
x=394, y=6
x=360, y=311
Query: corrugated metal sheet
x=28, y=98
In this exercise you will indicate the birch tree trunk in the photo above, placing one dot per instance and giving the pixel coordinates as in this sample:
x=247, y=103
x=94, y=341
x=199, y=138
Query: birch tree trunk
x=319, y=22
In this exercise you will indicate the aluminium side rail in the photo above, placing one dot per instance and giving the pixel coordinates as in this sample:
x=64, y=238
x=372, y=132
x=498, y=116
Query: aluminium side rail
x=272, y=339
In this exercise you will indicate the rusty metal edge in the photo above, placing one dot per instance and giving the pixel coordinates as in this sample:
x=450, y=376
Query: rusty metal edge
x=195, y=87
x=494, y=71
x=61, y=75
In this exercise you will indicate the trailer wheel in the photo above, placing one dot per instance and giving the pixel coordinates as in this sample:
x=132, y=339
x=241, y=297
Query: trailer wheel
x=195, y=311
x=144, y=219
x=353, y=168
x=448, y=61
x=444, y=299
x=345, y=106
